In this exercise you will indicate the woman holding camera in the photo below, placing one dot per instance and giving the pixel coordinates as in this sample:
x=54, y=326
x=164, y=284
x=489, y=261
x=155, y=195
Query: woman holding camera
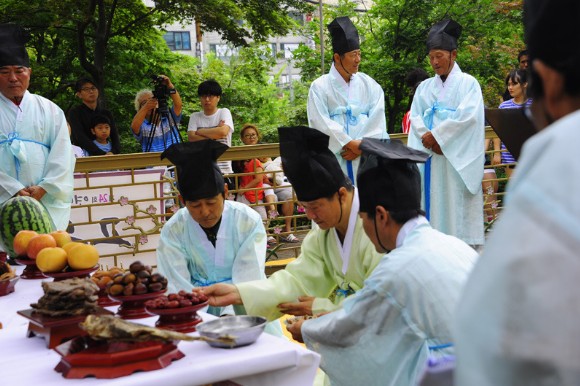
x=154, y=127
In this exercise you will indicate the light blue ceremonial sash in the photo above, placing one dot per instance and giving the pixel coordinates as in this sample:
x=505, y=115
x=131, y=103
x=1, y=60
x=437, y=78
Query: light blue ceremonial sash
x=352, y=114
x=17, y=149
x=427, y=173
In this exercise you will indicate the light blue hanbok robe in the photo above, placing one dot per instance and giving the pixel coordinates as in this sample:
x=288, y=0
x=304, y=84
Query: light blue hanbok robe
x=346, y=111
x=188, y=259
x=384, y=333
x=454, y=112
x=35, y=149
x=518, y=318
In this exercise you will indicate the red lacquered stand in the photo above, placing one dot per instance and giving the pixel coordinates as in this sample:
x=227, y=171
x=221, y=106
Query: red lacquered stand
x=31, y=271
x=133, y=306
x=81, y=274
x=83, y=357
x=182, y=319
x=56, y=330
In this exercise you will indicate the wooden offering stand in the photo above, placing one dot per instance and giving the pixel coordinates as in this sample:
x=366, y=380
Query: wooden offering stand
x=55, y=330
x=83, y=357
x=31, y=271
x=81, y=274
x=133, y=306
x=182, y=319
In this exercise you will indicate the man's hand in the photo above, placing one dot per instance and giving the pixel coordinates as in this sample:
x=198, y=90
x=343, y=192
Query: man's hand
x=351, y=150
x=429, y=142
x=35, y=191
x=302, y=307
x=294, y=327
x=220, y=295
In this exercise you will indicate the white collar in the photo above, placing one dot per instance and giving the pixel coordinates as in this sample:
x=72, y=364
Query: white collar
x=408, y=228
x=334, y=72
x=345, y=248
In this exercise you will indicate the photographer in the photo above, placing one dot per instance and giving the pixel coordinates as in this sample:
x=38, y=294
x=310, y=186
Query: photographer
x=155, y=125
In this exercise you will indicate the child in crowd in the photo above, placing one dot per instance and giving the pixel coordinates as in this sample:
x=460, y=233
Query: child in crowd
x=212, y=123
x=101, y=130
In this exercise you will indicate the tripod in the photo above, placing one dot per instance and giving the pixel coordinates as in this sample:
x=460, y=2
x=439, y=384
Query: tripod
x=159, y=116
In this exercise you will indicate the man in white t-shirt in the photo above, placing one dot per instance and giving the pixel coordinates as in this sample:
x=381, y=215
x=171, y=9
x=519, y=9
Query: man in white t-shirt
x=213, y=122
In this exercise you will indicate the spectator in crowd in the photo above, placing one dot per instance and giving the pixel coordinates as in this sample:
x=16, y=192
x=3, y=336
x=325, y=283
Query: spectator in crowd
x=211, y=240
x=522, y=65
x=517, y=84
x=77, y=150
x=81, y=117
x=155, y=126
x=335, y=258
x=36, y=158
x=212, y=122
x=447, y=122
x=281, y=192
x=346, y=104
x=517, y=321
x=101, y=131
x=385, y=333
x=412, y=80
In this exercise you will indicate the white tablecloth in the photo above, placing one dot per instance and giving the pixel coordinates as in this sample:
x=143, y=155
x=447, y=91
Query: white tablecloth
x=271, y=361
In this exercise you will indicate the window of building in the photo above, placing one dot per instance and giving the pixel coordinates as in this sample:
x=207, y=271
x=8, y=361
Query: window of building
x=287, y=49
x=297, y=17
x=178, y=40
x=223, y=50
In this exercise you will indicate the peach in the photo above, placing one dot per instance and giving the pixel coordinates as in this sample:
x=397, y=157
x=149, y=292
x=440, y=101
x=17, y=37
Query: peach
x=51, y=259
x=68, y=246
x=82, y=256
x=61, y=237
x=38, y=243
x=21, y=240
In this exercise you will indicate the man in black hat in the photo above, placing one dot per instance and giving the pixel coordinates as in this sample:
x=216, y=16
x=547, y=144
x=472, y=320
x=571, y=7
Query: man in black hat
x=384, y=334
x=447, y=122
x=336, y=257
x=36, y=157
x=518, y=319
x=211, y=240
x=346, y=104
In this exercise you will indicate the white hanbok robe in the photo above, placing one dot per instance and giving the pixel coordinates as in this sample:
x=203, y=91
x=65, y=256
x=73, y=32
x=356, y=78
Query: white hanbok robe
x=347, y=111
x=384, y=334
x=188, y=259
x=454, y=113
x=326, y=269
x=518, y=319
x=35, y=149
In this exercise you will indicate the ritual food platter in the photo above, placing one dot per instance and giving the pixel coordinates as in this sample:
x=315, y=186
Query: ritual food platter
x=31, y=271
x=180, y=319
x=133, y=306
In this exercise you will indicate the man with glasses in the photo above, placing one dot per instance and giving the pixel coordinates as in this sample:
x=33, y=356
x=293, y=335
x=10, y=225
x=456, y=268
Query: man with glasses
x=447, y=122
x=346, y=104
x=80, y=119
x=212, y=122
x=36, y=158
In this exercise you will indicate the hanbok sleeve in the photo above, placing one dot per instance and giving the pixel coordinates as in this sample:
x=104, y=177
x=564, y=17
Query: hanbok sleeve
x=319, y=118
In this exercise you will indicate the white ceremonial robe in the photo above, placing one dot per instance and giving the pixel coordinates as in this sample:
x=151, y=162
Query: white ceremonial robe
x=454, y=113
x=188, y=259
x=325, y=269
x=346, y=111
x=35, y=149
x=517, y=321
x=384, y=334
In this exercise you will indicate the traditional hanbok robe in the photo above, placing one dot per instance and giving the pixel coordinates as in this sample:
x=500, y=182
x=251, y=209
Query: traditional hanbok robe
x=384, y=334
x=517, y=321
x=188, y=259
x=326, y=269
x=454, y=113
x=346, y=111
x=35, y=149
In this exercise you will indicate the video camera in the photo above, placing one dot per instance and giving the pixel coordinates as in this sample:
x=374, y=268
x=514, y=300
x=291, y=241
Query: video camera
x=160, y=92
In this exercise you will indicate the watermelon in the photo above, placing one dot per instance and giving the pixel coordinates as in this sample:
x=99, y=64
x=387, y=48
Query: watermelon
x=22, y=213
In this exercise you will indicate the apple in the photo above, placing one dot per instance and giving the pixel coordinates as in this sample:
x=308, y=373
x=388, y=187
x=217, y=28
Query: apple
x=38, y=243
x=68, y=246
x=61, y=237
x=83, y=256
x=51, y=259
x=21, y=240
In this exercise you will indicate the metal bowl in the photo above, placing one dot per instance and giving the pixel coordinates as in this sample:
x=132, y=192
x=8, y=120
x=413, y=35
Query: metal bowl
x=245, y=329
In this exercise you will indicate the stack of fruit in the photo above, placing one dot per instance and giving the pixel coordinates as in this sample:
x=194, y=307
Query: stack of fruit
x=103, y=277
x=55, y=251
x=138, y=280
x=181, y=299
